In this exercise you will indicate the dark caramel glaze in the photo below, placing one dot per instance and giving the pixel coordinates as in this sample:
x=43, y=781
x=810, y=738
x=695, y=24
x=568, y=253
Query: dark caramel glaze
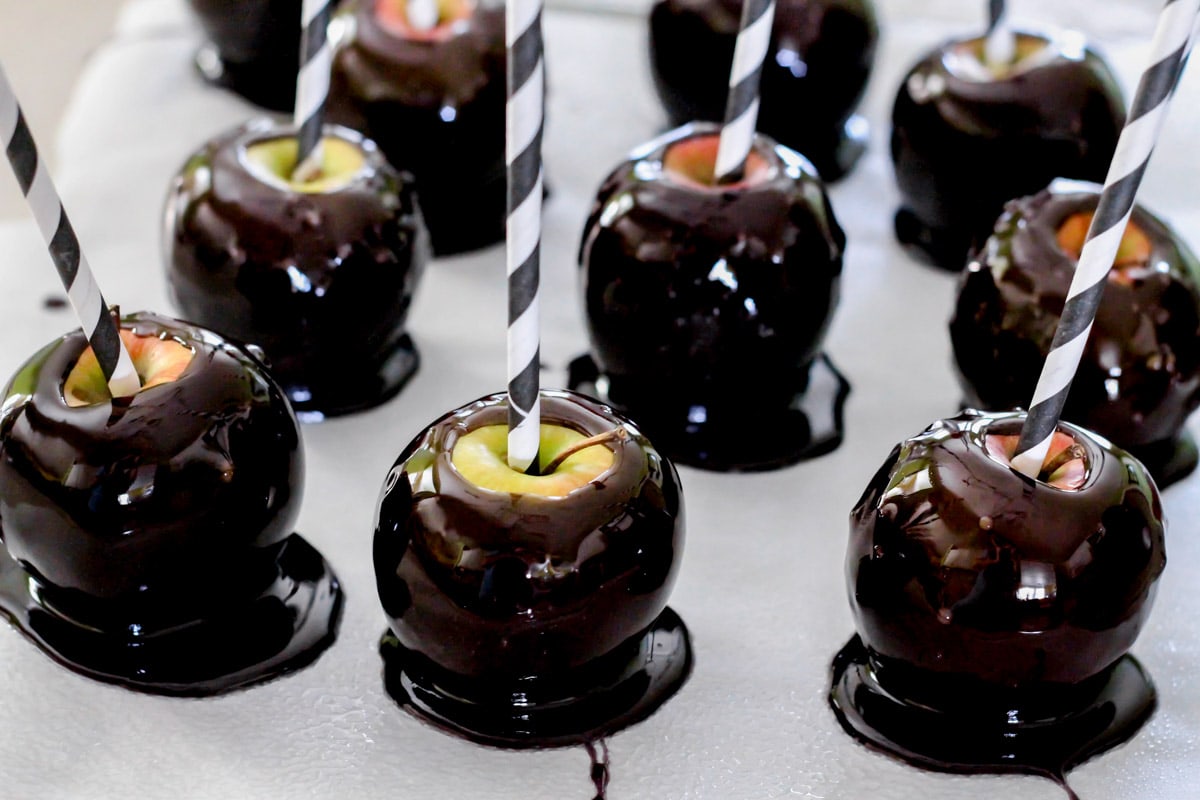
x=140, y=531
x=963, y=147
x=253, y=48
x=816, y=70
x=322, y=282
x=981, y=594
x=699, y=433
x=943, y=534
x=436, y=108
x=529, y=621
x=1139, y=378
x=1014, y=734
x=617, y=690
x=694, y=295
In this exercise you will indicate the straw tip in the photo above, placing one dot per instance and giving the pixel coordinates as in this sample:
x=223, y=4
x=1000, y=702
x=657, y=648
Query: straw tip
x=1028, y=463
x=125, y=385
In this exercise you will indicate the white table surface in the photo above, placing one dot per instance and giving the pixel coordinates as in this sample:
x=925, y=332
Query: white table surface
x=762, y=585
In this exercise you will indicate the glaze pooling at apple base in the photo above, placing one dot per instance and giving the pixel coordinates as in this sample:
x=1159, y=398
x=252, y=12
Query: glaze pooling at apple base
x=322, y=282
x=1139, y=378
x=602, y=697
x=140, y=533
x=530, y=621
x=963, y=146
x=816, y=69
x=436, y=107
x=253, y=48
x=707, y=306
x=984, y=598
x=1014, y=733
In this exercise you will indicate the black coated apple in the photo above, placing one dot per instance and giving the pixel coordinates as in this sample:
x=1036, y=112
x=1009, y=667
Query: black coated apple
x=253, y=48
x=147, y=540
x=530, y=610
x=1139, y=377
x=995, y=611
x=707, y=304
x=968, y=137
x=814, y=74
x=434, y=101
x=320, y=274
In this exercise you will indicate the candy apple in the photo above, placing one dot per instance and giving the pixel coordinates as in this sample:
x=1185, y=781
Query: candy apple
x=968, y=136
x=147, y=540
x=995, y=611
x=253, y=48
x=319, y=273
x=814, y=74
x=530, y=610
x=434, y=101
x=707, y=303
x=1139, y=377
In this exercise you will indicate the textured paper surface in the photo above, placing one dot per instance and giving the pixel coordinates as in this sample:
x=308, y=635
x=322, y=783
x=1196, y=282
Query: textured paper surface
x=762, y=586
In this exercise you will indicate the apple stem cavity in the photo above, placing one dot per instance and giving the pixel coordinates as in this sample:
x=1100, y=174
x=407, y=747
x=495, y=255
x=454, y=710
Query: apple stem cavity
x=1052, y=465
x=157, y=360
x=308, y=170
x=692, y=162
x=1065, y=464
x=618, y=434
x=422, y=20
x=273, y=160
x=1134, y=251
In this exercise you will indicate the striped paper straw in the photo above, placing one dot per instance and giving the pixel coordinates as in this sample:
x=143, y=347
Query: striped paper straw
x=1001, y=44
x=741, y=107
x=523, y=140
x=422, y=14
x=1134, y=148
x=82, y=290
x=312, y=86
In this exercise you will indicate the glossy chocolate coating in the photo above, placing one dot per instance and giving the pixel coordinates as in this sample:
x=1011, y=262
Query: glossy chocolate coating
x=248, y=633
x=436, y=108
x=322, y=282
x=816, y=69
x=694, y=293
x=150, y=535
x=578, y=706
x=257, y=48
x=1139, y=377
x=967, y=578
x=495, y=589
x=963, y=146
x=105, y=502
x=994, y=610
x=1036, y=733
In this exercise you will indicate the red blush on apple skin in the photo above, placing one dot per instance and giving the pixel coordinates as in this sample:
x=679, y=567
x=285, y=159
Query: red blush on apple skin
x=1069, y=469
x=393, y=17
x=693, y=161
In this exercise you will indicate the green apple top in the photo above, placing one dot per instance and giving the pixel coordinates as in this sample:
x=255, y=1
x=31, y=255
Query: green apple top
x=273, y=160
x=480, y=456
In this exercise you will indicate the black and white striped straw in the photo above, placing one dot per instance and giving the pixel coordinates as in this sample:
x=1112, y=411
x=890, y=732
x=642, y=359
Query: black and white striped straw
x=523, y=140
x=1000, y=47
x=33, y=176
x=745, y=77
x=312, y=86
x=1147, y=113
x=422, y=14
